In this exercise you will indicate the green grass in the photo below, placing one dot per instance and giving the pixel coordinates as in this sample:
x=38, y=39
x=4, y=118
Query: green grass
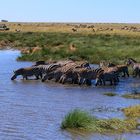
x=134, y=95
x=90, y=47
x=81, y=120
x=131, y=96
x=110, y=94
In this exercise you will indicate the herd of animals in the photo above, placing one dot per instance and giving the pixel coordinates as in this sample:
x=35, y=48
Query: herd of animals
x=75, y=72
x=96, y=29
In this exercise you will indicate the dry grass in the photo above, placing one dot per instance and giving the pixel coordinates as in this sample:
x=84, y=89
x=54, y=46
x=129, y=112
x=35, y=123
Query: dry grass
x=54, y=40
x=132, y=112
x=67, y=27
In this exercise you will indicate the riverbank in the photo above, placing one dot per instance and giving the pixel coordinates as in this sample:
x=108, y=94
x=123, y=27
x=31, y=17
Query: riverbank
x=115, y=46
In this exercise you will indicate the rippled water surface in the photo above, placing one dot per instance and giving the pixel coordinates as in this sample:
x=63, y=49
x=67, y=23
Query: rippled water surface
x=31, y=110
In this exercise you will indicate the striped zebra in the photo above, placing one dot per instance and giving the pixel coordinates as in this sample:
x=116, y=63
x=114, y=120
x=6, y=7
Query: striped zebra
x=112, y=77
x=80, y=75
x=27, y=72
x=121, y=69
x=45, y=69
x=65, y=71
x=73, y=73
x=57, y=73
x=135, y=66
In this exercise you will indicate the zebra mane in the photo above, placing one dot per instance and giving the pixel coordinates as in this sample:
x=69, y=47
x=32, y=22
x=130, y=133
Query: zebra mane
x=132, y=60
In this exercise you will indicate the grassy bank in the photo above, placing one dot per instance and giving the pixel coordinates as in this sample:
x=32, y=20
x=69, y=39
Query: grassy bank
x=92, y=47
x=80, y=120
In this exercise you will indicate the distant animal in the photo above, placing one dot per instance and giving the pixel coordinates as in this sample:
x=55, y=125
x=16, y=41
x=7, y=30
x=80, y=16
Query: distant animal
x=135, y=66
x=74, y=29
x=17, y=30
x=27, y=72
x=3, y=27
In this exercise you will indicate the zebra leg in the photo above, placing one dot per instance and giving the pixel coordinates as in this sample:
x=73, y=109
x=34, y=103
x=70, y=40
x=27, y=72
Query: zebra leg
x=57, y=78
x=127, y=72
x=62, y=79
x=44, y=78
x=88, y=82
x=80, y=81
x=37, y=77
x=41, y=76
x=134, y=73
x=26, y=77
x=123, y=74
x=104, y=82
x=111, y=83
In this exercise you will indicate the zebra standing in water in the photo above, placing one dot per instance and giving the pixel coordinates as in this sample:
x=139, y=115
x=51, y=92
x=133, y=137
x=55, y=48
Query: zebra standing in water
x=27, y=72
x=121, y=69
x=45, y=69
x=135, y=66
x=58, y=72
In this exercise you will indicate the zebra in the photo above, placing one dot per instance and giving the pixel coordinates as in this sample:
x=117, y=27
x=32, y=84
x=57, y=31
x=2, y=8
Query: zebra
x=63, y=72
x=26, y=72
x=107, y=76
x=122, y=69
x=135, y=66
x=80, y=75
x=57, y=73
x=45, y=69
x=73, y=72
x=37, y=63
x=84, y=64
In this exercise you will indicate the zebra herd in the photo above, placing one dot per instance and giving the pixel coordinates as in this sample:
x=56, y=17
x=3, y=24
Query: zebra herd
x=76, y=72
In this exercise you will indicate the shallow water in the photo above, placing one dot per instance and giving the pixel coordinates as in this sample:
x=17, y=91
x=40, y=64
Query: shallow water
x=31, y=110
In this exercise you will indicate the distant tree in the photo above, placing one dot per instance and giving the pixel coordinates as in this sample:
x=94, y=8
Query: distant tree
x=4, y=20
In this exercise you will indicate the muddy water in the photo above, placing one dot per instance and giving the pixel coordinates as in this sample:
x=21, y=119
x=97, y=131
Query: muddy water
x=31, y=110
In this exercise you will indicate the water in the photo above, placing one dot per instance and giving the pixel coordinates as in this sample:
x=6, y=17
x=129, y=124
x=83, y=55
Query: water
x=31, y=110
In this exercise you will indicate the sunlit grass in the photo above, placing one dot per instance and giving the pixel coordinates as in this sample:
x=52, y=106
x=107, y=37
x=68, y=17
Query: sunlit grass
x=81, y=120
x=132, y=111
x=55, y=40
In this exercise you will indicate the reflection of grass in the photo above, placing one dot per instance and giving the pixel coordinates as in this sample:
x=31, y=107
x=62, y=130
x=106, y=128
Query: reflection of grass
x=110, y=94
x=80, y=120
x=132, y=112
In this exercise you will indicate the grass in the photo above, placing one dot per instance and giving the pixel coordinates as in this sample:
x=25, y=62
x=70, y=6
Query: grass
x=134, y=95
x=131, y=96
x=81, y=120
x=132, y=112
x=55, y=41
x=110, y=94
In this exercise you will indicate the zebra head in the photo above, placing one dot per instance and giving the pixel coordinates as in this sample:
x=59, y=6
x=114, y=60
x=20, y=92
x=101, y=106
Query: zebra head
x=131, y=61
x=16, y=73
